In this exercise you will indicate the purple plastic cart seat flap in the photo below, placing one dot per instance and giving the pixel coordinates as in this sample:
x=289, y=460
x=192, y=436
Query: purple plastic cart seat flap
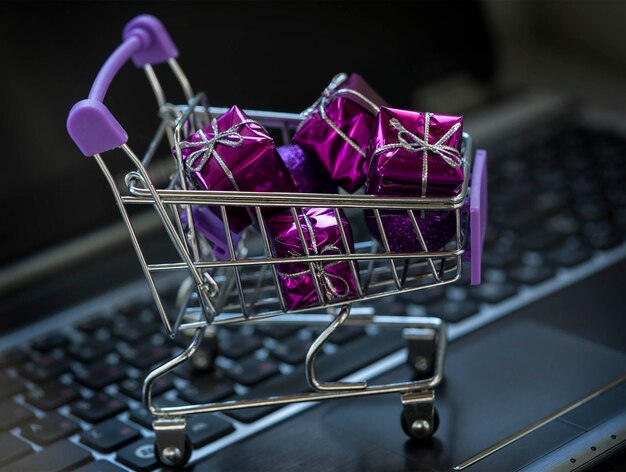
x=478, y=214
x=90, y=124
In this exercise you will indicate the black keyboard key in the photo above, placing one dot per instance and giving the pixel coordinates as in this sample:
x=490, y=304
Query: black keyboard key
x=134, y=332
x=204, y=429
x=52, y=395
x=207, y=389
x=58, y=457
x=146, y=355
x=292, y=351
x=345, y=334
x=592, y=208
x=249, y=415
x=49, y=429
x=251, y=370
x=109, y=436
x=44, y=368
x=51, y=342
x=530, y=275
x=346, y=360
x=423, y=297
x=236, y=345
x=97, y=408
x=541, y=239
x=97, y=376
x=141, y=315
x=92, y=350
x=133, y=387
x=12, y=448
x=277, y=331
x=601, y=235
x=139, y=455
x=9, y=386
x=499, y=258
x=12, y=414
x=11, y=357
x=491, y=292
x=100, y=466
x=141, y=417
x=571, y=253
x=94, y=324
x=453, y=310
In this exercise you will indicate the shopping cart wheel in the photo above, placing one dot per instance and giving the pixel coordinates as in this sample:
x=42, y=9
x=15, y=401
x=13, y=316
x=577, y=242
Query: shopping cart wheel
x=418, y=435
x=419, y=418
x=173, y=457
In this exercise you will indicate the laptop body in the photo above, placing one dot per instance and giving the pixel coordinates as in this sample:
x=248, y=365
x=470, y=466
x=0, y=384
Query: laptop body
x=530, y=359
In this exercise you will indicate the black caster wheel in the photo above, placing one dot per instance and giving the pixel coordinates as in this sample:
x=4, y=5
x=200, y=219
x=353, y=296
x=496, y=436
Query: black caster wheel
x=173, y=459
x=413, y=435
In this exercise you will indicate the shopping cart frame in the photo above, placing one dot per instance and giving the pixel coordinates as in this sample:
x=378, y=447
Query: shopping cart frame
x=147, y=43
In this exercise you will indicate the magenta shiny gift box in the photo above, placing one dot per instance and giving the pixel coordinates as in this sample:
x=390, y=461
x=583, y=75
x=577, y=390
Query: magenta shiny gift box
x=322, y=236
x=347, y=107
x=416, y=153
x=235, y=153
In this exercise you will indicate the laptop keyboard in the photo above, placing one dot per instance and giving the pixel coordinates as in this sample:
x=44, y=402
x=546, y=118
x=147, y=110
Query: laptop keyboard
x=71, y=400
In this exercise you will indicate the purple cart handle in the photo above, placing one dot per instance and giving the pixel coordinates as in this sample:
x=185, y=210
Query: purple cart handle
x=477, y=216
x=90, y=123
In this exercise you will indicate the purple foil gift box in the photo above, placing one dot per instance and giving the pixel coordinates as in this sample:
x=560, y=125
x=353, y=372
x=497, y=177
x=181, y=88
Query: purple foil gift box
x=307, y=172
x=235, y=153
x=437, y=229
x=338, y=127
x=322, y=236
x=417, y=154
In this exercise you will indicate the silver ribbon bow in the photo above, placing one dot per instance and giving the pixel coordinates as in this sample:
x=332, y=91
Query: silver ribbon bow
x=206, y=148
x=413, y=143
x=320, y=268
x=331, y=91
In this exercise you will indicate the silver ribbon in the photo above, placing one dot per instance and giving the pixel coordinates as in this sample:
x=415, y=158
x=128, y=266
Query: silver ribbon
x=413, y=143
x=206, y=148
x=329, y=93
x=320, y=268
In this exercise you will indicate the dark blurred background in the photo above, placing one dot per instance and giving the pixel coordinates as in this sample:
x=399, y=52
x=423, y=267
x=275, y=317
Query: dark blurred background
x=278, y=56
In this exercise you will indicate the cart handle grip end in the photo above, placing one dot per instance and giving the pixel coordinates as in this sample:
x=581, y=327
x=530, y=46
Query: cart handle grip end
x=93, y=128
x=157, y=44
x=90, y=124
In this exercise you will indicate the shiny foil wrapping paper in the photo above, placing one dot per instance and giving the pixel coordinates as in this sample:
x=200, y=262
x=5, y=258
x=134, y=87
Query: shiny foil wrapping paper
x=399, y=171
x=323, y=237
x=355, y=118
x=249, y=162
x=307, y=172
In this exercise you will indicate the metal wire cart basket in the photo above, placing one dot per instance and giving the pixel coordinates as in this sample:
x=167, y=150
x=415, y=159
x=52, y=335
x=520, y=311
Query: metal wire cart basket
x=241, y=285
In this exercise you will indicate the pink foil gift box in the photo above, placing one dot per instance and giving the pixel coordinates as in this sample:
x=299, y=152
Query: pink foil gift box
x=323, y=237
x=337, y=129
x=416, y=153
x=235, y=153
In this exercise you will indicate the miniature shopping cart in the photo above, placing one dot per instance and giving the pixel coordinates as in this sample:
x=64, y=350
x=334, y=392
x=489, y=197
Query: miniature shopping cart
x=240, y=284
